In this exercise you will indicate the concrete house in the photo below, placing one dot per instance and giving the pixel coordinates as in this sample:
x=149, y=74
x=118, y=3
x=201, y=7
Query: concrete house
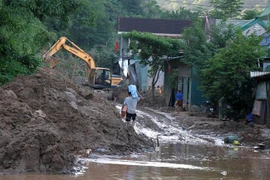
x=138, y=74
x=261, y=106
x=259, y=26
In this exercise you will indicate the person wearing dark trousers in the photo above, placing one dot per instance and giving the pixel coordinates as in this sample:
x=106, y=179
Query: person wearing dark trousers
x=131, y=103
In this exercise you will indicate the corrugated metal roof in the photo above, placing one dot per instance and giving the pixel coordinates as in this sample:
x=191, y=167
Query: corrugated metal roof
x=159, y=26
x=258, y=74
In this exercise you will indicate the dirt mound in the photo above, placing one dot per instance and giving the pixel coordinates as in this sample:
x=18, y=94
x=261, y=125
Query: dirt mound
x=45, y=122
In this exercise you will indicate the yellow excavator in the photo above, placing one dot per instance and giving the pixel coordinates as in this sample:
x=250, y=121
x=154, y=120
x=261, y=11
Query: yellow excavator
x=98, y=77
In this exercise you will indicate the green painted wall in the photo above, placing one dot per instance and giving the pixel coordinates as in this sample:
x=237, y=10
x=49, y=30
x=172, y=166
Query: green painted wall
x=196, y=94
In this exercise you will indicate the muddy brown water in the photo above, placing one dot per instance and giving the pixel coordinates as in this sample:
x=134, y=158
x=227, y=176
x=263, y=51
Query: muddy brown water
x=172, y=161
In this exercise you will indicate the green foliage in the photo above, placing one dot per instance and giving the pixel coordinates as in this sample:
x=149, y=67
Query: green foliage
x=114, y=9
x=148, y=45
x=23, y=34
x=96, y=21
x=224, y=9
x=227, y=73
x=197, y=49
x=40, y=9
x=11, y=68
x=181, y=13
x=21, y=38
x=104, y=56
x=221, y=33
x=96, y=33
x=151, y=9
x=250, y=14
x=132, y=7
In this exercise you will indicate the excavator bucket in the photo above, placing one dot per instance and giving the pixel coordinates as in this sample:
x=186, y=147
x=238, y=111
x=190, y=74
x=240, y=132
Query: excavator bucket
x=52, y=61
x=116, y=80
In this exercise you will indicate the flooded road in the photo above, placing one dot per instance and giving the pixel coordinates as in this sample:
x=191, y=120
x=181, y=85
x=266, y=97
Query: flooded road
x=181, y=155
x=174, y=161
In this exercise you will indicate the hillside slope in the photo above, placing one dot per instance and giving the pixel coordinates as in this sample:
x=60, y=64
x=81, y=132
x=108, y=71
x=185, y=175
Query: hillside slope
x=193, y=4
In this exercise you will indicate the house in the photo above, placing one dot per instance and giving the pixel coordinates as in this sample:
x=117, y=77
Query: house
x=254, y=26
x=261, y=107
x=257, y=26
x=139, y=74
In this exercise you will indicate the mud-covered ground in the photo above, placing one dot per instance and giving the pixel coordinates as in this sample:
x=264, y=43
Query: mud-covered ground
x=46, y=121
x=200, y=123
x=249, y=135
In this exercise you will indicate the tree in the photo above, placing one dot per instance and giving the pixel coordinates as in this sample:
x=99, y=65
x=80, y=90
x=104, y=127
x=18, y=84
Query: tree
x=96, y=32
x=197, y=49
x=114, y=9
x=181, y=13
x=227, y=73
x=147, y=46
x=132, y=7
x=22, y=33
x=250, y=14
x=104, y=55
x=220, y=34
x=151, y=9
x=224, y=9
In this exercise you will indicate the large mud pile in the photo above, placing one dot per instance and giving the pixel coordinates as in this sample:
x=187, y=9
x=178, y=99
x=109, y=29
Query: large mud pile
x=46, y=122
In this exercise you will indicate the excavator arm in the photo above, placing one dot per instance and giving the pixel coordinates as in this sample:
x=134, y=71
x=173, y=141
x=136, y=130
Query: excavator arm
x=74, y=49
x=94, y=73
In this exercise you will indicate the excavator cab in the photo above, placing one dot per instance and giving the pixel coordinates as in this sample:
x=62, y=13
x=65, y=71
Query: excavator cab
x=100, y=78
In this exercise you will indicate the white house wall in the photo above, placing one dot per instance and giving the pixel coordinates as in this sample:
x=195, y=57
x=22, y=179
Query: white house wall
x=160, y=81
x=124, y=56
x=124, y=43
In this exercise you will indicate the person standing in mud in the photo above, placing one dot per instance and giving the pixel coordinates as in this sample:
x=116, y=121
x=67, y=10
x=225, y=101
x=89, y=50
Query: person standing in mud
x=179, y=99
x=131, y=103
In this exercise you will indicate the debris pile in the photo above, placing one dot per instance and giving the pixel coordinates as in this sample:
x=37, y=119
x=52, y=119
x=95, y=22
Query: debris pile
x=45, y=122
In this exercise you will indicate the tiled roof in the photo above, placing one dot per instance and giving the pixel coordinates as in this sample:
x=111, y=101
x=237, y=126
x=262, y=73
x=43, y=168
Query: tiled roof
x=156, y=26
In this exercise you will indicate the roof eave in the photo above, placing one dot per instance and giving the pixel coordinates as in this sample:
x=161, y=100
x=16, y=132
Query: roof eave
x=158, y=34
